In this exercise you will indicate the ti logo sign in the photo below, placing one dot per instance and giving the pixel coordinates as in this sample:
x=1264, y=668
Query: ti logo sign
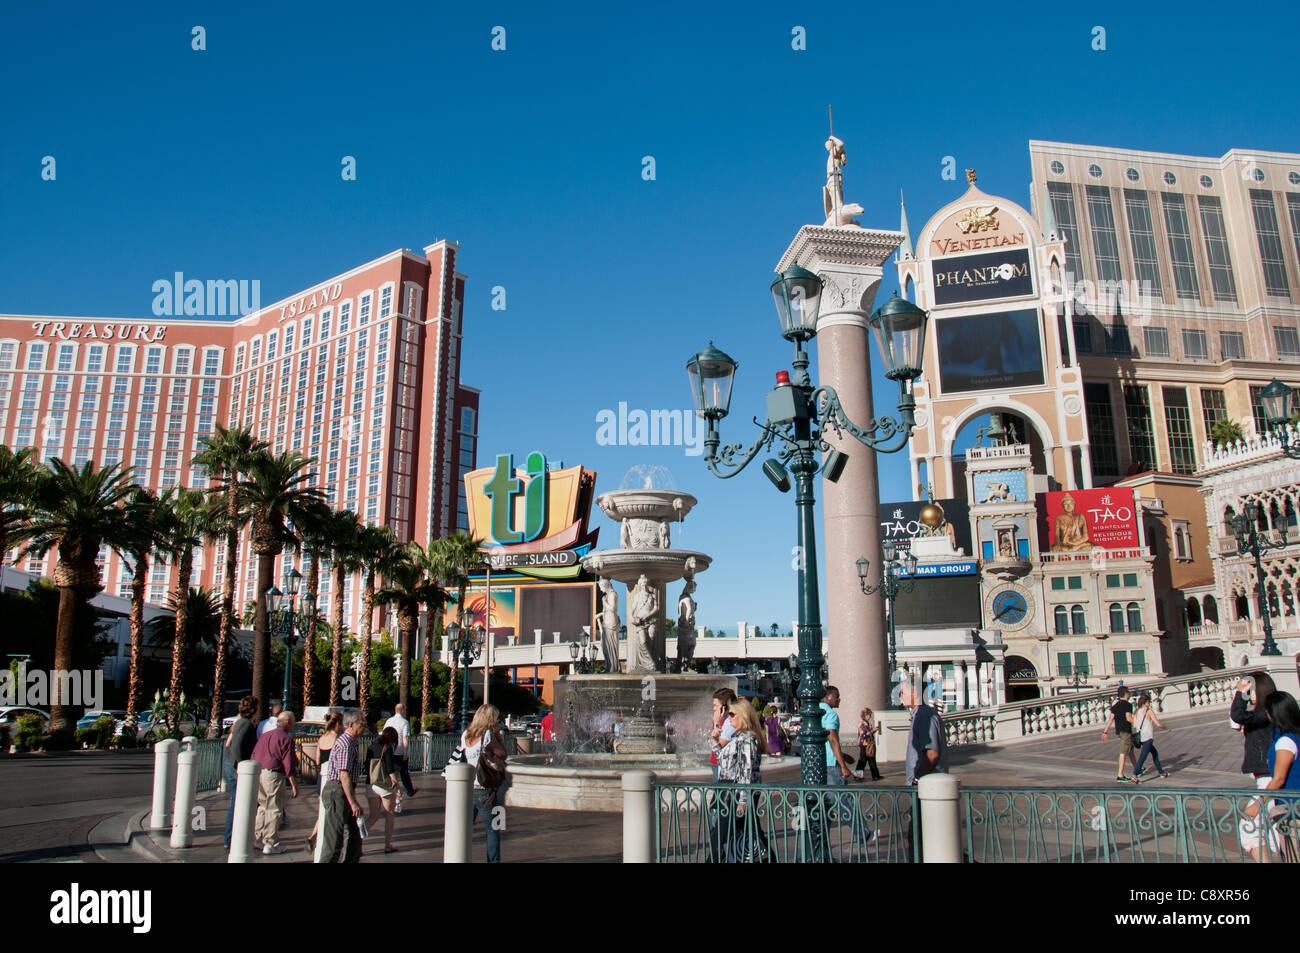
x=505, y=486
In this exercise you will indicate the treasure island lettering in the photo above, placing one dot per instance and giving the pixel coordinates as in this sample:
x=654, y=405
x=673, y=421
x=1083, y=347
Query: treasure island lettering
x=102, y=332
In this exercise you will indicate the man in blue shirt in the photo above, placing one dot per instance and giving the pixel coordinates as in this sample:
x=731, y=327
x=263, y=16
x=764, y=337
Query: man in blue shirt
x=838, y=773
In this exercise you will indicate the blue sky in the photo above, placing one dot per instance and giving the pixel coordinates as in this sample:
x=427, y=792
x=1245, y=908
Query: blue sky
x=225, y=164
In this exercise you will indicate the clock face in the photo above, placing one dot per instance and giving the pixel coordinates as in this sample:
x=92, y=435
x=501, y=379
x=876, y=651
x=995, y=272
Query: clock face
x=1009, y=609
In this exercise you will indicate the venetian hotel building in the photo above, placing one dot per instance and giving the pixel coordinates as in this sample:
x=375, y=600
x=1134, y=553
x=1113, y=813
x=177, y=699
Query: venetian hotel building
x=361, y=372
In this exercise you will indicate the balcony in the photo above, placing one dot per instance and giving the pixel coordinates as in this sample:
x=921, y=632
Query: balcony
x=997, y=453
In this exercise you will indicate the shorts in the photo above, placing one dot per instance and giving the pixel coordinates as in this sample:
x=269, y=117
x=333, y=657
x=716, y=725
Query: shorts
x=1126, y=745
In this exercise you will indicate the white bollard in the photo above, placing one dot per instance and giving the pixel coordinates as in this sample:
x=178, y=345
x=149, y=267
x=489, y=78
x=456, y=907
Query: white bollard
x=459, y=819
x=189, y=743
x=940, y=825
x=187, y=781
x=245, y=807
x=638, y=817
x=164, y=783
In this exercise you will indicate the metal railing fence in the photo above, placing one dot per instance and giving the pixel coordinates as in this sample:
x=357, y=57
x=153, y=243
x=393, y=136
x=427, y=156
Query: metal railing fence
x=208, y=764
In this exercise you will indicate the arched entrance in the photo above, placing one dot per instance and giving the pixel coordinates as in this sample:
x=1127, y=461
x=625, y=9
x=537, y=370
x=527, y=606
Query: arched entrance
x=1207, y=658
x=1022, y=679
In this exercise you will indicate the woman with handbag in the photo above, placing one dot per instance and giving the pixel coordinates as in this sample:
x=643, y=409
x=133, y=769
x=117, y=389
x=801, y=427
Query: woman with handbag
x=867, y=731
x=739, y=831
x=381, y=772
x=1145, y=724
x=482, y=748
x=324, y=745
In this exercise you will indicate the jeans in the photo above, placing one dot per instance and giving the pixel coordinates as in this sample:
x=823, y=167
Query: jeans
x=870, y=761
x=1148, y=748
x=404, y=772
x=848, y=804
x=230, y=772
x=485, y=802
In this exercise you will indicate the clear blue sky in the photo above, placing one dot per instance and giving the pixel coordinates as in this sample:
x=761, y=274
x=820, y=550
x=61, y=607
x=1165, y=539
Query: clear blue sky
x=225, y=164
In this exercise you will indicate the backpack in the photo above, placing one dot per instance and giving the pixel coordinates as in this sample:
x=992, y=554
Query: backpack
x=491, y=770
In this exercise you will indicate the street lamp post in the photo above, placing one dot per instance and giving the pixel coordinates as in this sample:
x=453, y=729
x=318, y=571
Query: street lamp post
x=1279, y=402
x=284, y=622
x=1248, y=540
x=891, y=586
x=798, y=416
x=467, y=643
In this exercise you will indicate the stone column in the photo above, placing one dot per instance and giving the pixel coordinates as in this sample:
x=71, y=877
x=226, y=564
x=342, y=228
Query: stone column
x=849, y=260
x=999, y=684
x=959, y=676
x=973, y=685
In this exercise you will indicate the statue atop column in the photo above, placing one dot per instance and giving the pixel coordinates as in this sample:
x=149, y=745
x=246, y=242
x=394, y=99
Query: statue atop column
x=837, y=213
x=609, y=625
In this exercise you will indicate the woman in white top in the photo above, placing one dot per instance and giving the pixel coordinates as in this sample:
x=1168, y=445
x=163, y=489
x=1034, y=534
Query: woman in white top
x=323, y=745
x=1145, y=724
x=484, y=734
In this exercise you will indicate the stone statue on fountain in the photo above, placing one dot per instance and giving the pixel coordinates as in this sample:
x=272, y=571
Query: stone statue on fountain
x=645, y=649
x=609, y=625
x=686, y=607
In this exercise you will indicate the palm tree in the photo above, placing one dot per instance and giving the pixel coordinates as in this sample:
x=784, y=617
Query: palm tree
x=202, y=612
x=341, y=532
x=18, y=478
x=274, y=488
x=145, y=523
x=377, y=550
x=77, y=512
x=227, y=454
x=1226, y=433
x=453, y=558
x=186, y=525
x=409, y=587
x=315, y=544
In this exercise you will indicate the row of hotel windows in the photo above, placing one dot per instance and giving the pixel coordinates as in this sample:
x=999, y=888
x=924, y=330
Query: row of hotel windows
x=95, y=358
x=1114, y=580
x=1132, y=662
x=1182, y=252
x=1073, y=620
x=1169, y=178
x=1232, y=344
x=149, y=390
x=1136, y=408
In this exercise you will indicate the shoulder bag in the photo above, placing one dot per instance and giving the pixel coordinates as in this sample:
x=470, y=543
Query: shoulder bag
x=491, y=770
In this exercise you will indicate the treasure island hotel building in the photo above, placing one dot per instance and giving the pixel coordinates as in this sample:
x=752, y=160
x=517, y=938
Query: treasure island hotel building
x=360, y=372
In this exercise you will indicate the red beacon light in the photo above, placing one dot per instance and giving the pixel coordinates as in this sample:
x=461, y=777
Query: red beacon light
x=782, y=378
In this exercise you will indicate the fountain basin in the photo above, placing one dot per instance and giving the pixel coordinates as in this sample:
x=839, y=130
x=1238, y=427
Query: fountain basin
x=660, y=566
x=646, y=504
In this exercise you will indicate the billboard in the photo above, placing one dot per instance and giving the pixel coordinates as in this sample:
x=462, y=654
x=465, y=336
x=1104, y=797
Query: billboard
x=999, y=274
x=900, y=522
x=982, y=351
x=952, y=601
x=1079, y=520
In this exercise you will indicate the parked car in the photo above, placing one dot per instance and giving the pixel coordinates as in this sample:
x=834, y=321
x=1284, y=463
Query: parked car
x=89, y=718
x=144, y=729
x=10, y=716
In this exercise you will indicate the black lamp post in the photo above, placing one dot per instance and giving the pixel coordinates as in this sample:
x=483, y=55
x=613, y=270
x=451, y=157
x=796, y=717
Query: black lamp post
x=1279, y=407
x=468, y=644
x=798, y=415
x=1249, y=541
x=284, y=623
x=890, y=587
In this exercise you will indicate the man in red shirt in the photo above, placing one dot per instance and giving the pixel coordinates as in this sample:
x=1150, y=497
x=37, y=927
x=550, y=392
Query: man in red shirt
x=274, y=751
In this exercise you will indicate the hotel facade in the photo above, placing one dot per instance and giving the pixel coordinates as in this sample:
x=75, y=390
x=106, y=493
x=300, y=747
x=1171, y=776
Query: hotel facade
x=360, y=372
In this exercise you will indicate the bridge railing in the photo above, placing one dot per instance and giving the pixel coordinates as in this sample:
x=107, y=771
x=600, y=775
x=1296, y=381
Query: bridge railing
x=1064, y=713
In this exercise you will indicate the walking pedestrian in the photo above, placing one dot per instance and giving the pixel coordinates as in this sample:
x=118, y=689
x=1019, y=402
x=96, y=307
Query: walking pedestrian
x=483, y=740
x=927, y=750
x=1121, y=716
x=775, y=732
x=382, y=772
x=274, y=751
x=239, y=747
x=1145, y=723
x=722, y=698
x=1284, y=766
x=868, y=728
x=739, y=833
x=268, y=723
x=838, y=773
x=340, y=839
x=324, y=744
x=401, y=752
x=1249, y=713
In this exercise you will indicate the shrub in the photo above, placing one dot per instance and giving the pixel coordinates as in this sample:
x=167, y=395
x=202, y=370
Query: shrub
x=436, y=722
x=99, y=735
x=30, y=734
x=1225, y=432
x=4, y=739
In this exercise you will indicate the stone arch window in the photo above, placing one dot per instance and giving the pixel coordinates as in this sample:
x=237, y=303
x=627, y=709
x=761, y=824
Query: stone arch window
x=1261, y=522
x=1134, y=613
x=1274, y=515
x=1193, y=612
x=1061, y=620
x=1116, y=617
x=1078, y=620
x=1288, y=512
x=1288, y=598
x=1274, y=607
x=1211, y=609
x=1241, y=605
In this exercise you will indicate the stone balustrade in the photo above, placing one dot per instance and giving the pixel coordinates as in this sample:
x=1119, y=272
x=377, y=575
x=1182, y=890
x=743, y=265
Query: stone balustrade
x=1243, y=451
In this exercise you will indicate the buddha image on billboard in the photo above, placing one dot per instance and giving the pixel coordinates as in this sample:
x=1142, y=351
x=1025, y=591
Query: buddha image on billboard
x=980, y=351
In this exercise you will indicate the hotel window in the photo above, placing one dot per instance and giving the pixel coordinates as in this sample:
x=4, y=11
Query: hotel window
x=1216, y=249
x=345, y=317
x=149, y=385
x=383, y=332
x=125, y=360
x=35, y=357
x=1142, y=238
x=121, y=387
x=1101, y=429
x=1061, y=195
x=1104, y=243
x=149, y=404
x=1141, y=442
x=373, y=465
x=181, y=360
x=385, y=301
x=8, y=351
x=66, y=354
x=1182, y=539
x=363, y=310
x=272, y=344
x=326, y=316
x=94, y=358
x=1116, y=617
x=1083, y=337
x=467, y=420
x=1213, y=408
x=1233, y=344
x=340, y=350
x=1288, y=343
x=1180, y=246
x=289, y=330
x=411, y=293
x=1194, y=346
x=304, y=360
x=351, y=491
x=306, y=332
x=1072, y=663
x=239, y=359
x=153, y=361
x=1117, y=341
x=1270, y=243
x=1293, y=210
x=211, y=363
x=1078, y=620
x=1156, y=341
x=1134, y=613
x=1178, y=425
x=1257, y=410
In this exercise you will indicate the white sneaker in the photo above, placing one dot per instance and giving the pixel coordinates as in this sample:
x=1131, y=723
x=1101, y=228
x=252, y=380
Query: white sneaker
x=277, y=849
x=875, y=836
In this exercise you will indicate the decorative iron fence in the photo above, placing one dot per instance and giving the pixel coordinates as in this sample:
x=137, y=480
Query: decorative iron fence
x=1009, y=825
x=208, y=764
x=707, y=823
